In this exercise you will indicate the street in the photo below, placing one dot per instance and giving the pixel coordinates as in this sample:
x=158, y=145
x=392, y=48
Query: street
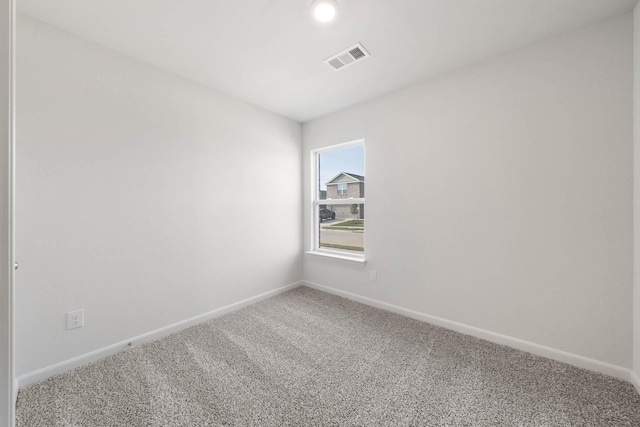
x=342, y=237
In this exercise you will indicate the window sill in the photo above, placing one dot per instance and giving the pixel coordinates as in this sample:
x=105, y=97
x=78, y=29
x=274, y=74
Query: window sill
x=338, y=256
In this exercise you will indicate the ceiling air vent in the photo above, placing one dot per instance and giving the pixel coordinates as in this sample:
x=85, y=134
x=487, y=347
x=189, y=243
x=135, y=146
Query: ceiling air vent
x=347, y=57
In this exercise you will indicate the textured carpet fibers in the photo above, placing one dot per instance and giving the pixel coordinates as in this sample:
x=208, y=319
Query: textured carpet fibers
x=307, y=358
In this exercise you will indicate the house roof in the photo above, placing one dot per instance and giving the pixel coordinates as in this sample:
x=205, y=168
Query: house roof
x=356, y=177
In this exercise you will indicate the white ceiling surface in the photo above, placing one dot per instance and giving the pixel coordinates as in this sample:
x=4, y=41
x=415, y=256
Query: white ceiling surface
x=269, y=52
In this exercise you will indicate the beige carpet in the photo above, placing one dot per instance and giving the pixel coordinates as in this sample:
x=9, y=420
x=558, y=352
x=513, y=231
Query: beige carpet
x=307, y=358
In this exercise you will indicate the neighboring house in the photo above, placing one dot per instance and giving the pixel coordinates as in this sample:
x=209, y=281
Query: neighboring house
x=323, y=196
x=346, y=185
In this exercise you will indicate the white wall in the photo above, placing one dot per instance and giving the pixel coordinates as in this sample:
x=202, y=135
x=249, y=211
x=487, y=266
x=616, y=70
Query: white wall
x=500, y=196
x=6, y=182
x=141, y=197
x=636, y=196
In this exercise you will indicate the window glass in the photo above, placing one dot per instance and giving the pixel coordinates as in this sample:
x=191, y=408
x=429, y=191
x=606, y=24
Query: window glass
x=342, y=228
x=340, y=205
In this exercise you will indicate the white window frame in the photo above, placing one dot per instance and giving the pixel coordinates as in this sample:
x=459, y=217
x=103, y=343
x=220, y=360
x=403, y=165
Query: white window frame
x=315, y=248
x=344, y=190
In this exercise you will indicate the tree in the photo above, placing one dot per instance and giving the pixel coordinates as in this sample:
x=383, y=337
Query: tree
x=354, y=211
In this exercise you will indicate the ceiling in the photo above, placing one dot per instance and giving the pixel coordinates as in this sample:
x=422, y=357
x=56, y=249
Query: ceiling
x=270, y=53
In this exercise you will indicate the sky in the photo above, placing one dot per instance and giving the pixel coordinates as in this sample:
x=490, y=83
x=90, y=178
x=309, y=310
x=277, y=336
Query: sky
x=345, y=160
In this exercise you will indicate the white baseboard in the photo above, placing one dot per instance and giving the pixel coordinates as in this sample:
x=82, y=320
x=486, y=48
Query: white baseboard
x=540, y=350
x=635, y=380
x=537, y=349
x=68, y=365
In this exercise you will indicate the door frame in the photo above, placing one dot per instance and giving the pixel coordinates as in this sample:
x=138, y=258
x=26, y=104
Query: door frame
x=8, y=385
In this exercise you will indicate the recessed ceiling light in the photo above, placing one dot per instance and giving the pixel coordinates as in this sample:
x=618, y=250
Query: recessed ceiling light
x=324, y=10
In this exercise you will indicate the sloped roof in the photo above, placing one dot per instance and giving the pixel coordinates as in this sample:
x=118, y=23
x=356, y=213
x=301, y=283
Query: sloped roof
x=356, y=177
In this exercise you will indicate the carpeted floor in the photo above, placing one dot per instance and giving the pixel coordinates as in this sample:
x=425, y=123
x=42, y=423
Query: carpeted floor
x=307, y=358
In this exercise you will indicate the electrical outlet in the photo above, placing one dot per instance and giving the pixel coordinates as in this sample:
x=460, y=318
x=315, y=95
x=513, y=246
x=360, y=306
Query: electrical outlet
x=75, y=319
x=373, y=275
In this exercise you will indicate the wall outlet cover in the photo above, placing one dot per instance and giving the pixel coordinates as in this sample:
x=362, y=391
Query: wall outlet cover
x=75, y=319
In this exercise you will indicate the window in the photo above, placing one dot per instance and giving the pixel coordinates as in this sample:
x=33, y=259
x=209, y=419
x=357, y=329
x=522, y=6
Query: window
x=338, y=200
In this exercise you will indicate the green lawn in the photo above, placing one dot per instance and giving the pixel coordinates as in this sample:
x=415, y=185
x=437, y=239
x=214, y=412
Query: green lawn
x=345, y=247
x=351, y=223
x=354, y=224
x=354, y=229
